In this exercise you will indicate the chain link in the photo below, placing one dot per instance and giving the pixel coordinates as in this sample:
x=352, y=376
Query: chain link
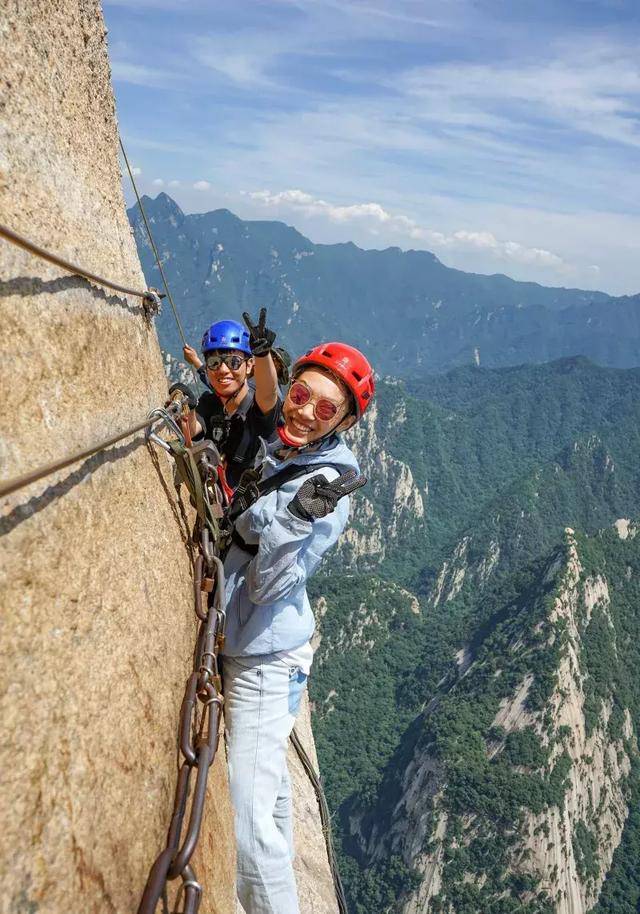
x=197, y=739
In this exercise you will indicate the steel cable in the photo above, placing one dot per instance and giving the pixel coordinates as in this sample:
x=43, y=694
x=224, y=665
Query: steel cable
x=19, y=240
x=325, y=818
x=20, y=482
x=153, y=246
x=157, y=256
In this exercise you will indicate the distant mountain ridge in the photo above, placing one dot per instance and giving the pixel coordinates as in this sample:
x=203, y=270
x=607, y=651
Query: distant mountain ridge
x=407, y=310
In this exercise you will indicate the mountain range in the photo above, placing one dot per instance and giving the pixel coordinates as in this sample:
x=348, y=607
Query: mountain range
x=406, y=310
x=475, y=698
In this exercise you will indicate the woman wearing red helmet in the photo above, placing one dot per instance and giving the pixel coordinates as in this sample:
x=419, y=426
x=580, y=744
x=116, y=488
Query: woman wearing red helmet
x=283, y=525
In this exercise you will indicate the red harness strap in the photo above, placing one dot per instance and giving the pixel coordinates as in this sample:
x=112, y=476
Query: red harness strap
x=226, y=488
x=186, y=431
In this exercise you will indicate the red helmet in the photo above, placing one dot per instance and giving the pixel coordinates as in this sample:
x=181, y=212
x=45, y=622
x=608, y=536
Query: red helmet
x=345, y=363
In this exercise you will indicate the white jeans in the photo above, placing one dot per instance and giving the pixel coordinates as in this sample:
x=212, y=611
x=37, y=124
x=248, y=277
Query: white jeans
x=262, y=697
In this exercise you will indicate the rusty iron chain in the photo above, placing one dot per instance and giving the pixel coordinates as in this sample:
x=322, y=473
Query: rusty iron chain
x=197, y=739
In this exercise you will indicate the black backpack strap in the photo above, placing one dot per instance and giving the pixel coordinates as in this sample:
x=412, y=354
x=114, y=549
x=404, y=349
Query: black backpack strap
x=244, y=437
x=251, y=548
x=251, y=488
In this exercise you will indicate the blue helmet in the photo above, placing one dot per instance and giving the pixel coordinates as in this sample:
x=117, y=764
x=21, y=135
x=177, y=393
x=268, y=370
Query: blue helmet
x=226, y=335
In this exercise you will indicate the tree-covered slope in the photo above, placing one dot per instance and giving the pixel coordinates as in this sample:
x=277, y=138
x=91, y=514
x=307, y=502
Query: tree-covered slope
x=514, y=790
x=458, y=574
x=407, y=310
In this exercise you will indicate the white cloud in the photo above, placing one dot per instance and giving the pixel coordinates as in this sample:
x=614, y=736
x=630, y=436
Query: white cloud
x=497, y=130
x=174, y=183
x=374, y=216
x=158, y=182
x=135, y=171
x=593, y=89
x=298, y=199
x=502, y=250
x=124, y=71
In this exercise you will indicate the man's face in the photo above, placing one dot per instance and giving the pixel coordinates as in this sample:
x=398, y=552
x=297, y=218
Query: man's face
x=227, y=379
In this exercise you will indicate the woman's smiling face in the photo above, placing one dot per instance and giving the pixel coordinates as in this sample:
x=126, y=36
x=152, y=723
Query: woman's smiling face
x=301, y=422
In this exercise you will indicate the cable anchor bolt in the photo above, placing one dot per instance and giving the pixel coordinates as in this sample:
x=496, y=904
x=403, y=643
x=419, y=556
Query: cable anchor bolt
x=152, y=302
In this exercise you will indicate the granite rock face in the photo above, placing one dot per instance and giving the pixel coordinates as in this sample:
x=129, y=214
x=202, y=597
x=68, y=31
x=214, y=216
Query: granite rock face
x=313, y=877
x=98, y=627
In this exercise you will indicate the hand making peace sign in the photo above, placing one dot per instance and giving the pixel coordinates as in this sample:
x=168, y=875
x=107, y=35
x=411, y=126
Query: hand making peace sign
x=317, y=497
x=261, y=339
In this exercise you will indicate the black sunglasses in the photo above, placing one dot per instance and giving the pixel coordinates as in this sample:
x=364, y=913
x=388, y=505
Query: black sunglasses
x=234, y=362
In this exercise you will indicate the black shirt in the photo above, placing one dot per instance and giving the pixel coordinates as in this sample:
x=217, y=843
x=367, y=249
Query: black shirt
x=237, y=437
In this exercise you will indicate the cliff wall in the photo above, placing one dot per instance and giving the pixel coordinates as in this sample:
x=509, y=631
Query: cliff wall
x=515, y=788
x=95, y=576
x=98, y=625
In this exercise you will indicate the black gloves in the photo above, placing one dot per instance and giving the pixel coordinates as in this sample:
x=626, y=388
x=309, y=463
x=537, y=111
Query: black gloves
x=189, y=393
x=261, y=339
x=316, y=497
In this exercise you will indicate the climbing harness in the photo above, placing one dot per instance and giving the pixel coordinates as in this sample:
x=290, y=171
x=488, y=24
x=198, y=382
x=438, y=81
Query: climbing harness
x=151, y=298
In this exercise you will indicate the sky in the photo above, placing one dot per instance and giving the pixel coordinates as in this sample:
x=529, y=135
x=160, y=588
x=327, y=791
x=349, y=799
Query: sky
x=502, y=135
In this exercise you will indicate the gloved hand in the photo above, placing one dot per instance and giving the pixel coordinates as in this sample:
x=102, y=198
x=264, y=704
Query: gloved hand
x=261, y=339
x=189, y=393
x=316, y=497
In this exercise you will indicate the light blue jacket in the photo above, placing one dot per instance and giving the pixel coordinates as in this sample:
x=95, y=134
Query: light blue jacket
x=267, y=605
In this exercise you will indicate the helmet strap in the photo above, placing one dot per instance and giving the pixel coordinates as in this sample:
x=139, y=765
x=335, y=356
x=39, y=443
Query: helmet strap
x=288, y=442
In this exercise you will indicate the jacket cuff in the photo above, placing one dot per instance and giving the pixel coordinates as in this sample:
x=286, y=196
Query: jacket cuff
x=292, y=523
x=297, y=510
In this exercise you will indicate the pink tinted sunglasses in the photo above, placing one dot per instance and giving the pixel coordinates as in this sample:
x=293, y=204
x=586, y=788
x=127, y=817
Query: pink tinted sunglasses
x=323, y=409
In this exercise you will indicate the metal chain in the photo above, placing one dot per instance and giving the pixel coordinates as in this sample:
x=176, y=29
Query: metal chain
x=197, y=741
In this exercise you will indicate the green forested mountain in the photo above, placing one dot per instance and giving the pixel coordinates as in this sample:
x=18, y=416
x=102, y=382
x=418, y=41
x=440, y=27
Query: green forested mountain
x=474, y=701
x=407, y=310
x=516, y=788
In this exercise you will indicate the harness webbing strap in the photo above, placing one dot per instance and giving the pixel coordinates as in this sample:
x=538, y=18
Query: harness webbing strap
x=252, y=489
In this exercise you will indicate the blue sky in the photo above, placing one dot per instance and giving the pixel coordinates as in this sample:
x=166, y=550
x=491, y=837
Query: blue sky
x=502, y=135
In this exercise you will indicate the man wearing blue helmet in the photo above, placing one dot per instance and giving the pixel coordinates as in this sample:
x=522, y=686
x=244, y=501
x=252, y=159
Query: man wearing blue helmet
x=281, y=359
x=233, y=414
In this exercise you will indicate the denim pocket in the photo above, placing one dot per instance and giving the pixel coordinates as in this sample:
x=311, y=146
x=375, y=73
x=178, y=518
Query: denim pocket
x=297, y=681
